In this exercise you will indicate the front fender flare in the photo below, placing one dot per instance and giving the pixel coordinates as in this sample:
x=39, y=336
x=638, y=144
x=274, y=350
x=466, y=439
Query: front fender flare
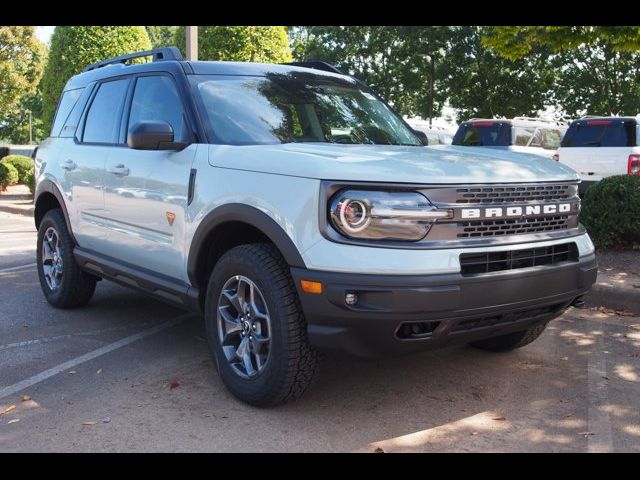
x=238, y=212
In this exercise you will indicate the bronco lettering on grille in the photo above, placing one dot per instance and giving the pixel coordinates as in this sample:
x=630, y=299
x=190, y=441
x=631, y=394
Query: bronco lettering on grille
x=510, y=212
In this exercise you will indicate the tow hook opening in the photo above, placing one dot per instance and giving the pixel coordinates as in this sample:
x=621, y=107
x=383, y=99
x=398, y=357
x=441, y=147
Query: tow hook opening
x=578, y=302
x=411, y=330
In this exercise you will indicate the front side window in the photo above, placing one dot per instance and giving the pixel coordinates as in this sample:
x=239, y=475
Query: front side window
x=156, y=98
x=103, y=120
x=296, y=107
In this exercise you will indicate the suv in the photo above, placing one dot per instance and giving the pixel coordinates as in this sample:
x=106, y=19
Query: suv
x=298, y=213
x=522, y=134
x=435, y=135
x=599, y=147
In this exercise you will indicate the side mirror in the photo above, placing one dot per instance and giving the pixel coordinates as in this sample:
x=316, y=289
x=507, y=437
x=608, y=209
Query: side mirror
x=152, y=135
x=422, y=136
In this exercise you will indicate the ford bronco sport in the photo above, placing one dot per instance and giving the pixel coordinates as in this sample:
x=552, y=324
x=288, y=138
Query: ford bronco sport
x=293, y=208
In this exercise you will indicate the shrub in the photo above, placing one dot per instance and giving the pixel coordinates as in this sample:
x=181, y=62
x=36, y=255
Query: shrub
x=21, y=163
x=8, y=176
x=30, y=181
x=610, y=211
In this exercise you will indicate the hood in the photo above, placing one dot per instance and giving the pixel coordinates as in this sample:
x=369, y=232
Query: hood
x=389, y=163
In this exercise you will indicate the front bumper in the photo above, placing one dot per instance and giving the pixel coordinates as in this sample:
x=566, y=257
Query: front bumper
x=398, y=314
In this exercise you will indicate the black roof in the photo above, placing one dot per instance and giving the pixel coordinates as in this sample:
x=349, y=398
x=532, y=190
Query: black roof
x=188, y=67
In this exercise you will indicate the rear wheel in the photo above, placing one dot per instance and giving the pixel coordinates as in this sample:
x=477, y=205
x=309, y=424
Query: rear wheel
x=255, y=327
x=63, y=283
x=511, y=341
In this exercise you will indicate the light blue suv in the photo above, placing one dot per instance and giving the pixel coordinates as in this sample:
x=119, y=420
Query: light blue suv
x=293, y=208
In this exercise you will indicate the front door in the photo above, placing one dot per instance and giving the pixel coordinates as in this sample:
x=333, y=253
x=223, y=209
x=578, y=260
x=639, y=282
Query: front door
x=146, y=190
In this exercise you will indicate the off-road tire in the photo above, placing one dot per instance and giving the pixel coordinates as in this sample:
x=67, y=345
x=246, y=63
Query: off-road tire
x=76, y=287
x=511, y=341
x=292, y=361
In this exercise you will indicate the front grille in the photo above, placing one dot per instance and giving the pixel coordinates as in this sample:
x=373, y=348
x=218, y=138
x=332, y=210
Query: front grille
x=503, y=319
x=514, y=194
x=491, y=228
x=474, y=263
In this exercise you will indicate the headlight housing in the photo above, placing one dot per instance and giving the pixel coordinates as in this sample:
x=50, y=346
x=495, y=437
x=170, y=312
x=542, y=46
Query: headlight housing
x=381, y=215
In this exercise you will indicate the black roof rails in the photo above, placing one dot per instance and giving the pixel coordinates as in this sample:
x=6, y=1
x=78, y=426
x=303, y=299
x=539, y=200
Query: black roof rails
x=317, y=65
x=167, y=53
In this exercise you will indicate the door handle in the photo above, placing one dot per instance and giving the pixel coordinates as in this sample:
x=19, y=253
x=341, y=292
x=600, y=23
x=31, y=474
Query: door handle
x=119, y=170
x=68, y=165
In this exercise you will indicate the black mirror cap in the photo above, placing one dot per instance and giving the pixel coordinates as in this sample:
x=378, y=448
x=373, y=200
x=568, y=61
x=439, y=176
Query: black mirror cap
x=421, y=136
x=152, y=135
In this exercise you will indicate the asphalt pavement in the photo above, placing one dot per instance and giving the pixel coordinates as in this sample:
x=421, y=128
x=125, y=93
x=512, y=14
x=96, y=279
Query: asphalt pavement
x=128, y=374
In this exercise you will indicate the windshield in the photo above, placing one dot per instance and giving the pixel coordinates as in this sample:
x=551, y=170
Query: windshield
x=547, y=138
x=601, y=133
x=296, y=107
x=483, y=134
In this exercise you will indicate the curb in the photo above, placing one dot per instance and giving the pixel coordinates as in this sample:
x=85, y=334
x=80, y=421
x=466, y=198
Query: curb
x=27, y=212
x=626, y=298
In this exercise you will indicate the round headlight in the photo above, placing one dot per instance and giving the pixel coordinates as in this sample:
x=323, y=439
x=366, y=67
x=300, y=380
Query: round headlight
x=354, y=215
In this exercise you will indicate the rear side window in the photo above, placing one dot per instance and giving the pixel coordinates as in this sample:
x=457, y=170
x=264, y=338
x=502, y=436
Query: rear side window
x=483, y=134
x=66, y=104
x=601, y=133
x=103, y=120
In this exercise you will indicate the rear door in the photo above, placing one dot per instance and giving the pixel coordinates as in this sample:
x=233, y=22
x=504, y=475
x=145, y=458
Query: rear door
x=599, y=148
x=84, y=158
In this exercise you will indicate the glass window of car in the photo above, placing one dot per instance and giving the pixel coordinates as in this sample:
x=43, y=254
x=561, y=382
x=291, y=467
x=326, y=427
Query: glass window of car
x=296, y=107
x=103, y=119
x=483, y=134
x=156, y=98
x=547, y=138
x=523, y=135
x=601, y=133
x=66, y=104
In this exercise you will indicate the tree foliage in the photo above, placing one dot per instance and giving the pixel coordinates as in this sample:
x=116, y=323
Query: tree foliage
x=480, y=83
x=22, y=58
x=394, y=61
x=515, y=42
x=161, y=36
x=240, y=43
x=75, y=47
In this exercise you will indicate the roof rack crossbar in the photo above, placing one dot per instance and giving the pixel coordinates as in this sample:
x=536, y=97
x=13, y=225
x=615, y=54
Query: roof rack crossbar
x=315, y=64
x=159, y=54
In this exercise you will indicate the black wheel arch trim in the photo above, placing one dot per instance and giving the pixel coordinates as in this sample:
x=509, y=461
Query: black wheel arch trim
x=238, y=212
x=48, y=186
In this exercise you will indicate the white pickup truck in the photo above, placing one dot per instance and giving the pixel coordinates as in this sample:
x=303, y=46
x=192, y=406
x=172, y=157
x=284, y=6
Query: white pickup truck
x=599, y=147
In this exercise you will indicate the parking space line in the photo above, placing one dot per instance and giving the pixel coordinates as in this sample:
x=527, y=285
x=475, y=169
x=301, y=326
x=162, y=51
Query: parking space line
x=37, y=341
x=29, y=382
x=598, y=421
x=19, y=267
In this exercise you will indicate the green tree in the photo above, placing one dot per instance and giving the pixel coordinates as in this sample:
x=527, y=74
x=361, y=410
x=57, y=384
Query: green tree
x=75, y=47
x=597, y=80
x=240, y=43
x=394, y=61
x=516, y=42
x=480, y=83
x=161, y=36
x=22, y=59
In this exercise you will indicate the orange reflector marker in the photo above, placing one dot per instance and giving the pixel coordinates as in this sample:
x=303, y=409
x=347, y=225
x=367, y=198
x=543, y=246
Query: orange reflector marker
x=311, y=287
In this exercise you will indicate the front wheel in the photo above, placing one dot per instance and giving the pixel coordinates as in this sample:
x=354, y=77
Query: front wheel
x=511, y=341
x=255, y=327
x=63, y=283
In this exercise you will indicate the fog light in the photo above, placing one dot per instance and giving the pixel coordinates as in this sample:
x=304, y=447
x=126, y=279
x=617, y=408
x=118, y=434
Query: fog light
x=351, y=299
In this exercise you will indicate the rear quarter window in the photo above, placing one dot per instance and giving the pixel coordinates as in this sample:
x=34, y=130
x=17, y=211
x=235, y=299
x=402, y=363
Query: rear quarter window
x=601, y=133
x=65, y=105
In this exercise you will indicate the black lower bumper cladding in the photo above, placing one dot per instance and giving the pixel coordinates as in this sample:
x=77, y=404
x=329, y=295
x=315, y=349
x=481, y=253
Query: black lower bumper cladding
x=396, y=314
